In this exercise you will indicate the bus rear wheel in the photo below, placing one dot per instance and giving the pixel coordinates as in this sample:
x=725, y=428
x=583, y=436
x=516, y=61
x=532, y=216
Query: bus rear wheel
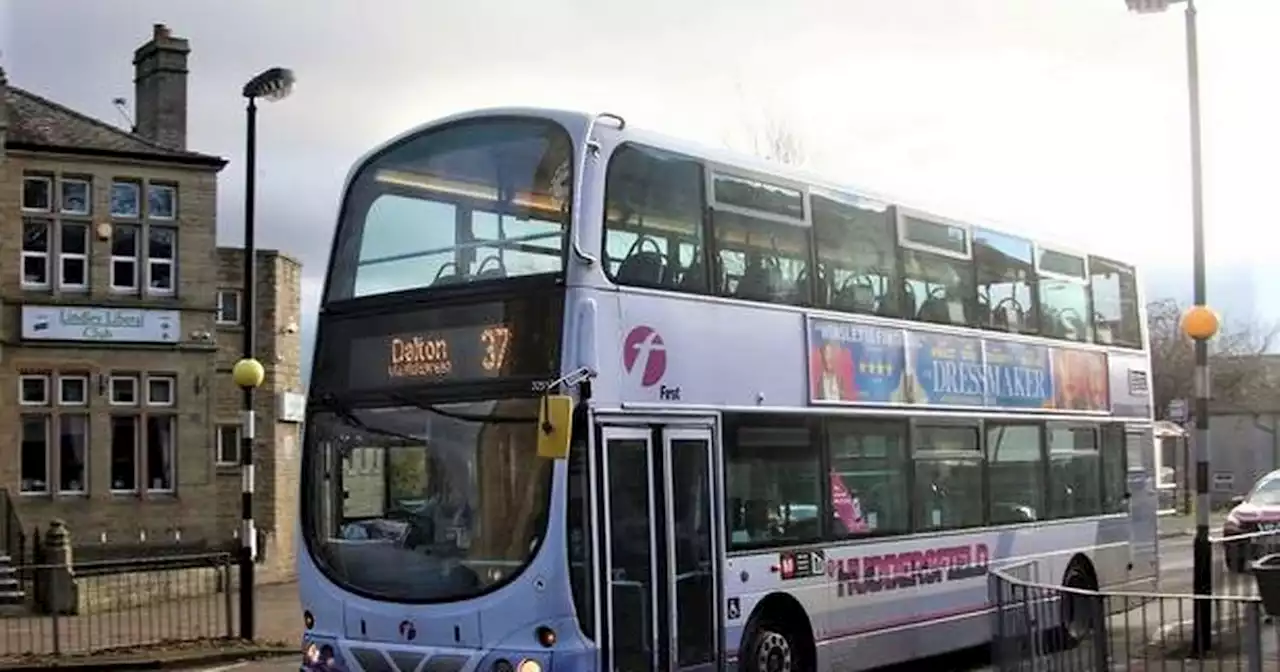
x=770, y=649
x=1080, y=613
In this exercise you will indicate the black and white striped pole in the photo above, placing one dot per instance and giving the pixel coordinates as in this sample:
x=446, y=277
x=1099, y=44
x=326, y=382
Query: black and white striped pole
x=1201, y=324
x=270, y=85
x=248, y=375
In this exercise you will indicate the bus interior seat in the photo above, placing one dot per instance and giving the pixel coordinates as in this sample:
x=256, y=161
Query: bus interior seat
x=642, y=268
x=691, y=279
x=857, y=294
x=983, y=313
x=487, y=271
x=935, y=310
x=909, y=302
x=449, y=274
x=760, y=282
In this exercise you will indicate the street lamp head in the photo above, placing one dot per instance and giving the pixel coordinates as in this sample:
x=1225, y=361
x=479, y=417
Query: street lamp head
x=1148, y=6
x=270, y=85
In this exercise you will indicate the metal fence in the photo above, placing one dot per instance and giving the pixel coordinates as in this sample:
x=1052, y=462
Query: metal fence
x=1040, y=625
x=118, y=604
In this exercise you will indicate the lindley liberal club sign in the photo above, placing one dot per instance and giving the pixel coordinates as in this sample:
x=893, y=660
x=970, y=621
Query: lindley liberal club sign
x=857, y=363
x=111, y=325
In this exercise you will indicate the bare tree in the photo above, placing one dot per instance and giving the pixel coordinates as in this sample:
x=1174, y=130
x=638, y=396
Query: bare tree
x=1243, y=375
x=776, y=141
x=766, y=134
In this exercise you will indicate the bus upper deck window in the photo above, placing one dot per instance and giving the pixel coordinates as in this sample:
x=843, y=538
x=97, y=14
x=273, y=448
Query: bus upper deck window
x=476, y=201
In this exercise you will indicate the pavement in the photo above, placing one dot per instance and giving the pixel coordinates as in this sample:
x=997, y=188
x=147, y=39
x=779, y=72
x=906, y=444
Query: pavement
x=1185, y=525
x=193, y=625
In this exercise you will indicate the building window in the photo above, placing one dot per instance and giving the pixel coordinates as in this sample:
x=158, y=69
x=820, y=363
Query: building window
x=160, y=390
x=161, y=255
x=124, y=200
x=124, y=391
x=33, y=390
x=124, y=453
x=35, y=253
x=73, y=390
x=77, y=197
x=228, y=306
x=73, y=255
x=124, y=257
x=35, y=454
x=37, y=193
x=162, y=201
x=228, y=444
x=73, y=454
x=160, y=453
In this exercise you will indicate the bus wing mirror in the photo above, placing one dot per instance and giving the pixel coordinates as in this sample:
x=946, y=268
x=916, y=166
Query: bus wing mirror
x=555, y=419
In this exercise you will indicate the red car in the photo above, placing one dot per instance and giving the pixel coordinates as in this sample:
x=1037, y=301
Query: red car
x=1258, y=511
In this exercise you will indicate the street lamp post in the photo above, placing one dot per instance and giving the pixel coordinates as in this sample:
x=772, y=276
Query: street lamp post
x=270, y=85
x=1200, y=324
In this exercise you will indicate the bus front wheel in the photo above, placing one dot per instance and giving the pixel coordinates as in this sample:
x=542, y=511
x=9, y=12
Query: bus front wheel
x=770, y=649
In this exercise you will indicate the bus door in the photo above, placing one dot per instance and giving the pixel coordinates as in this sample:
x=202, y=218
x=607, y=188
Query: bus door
x=657, y=498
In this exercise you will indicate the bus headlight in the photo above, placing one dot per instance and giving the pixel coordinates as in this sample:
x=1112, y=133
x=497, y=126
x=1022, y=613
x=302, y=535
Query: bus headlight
x=529, y=665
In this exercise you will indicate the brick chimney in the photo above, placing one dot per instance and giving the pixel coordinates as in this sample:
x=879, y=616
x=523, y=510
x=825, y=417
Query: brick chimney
x=160, y=88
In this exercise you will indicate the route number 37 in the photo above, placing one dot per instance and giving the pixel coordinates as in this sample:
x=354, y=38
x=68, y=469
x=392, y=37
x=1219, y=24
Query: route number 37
x=495, y=341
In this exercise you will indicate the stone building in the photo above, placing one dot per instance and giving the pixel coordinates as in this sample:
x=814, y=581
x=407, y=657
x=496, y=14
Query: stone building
x=119, y=321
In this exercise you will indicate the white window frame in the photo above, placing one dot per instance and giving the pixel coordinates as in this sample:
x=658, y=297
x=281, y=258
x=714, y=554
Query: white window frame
x=136, y=451
x=144, y=450
x=218, y=313
x=137, y=200
x=48, y=187
x=171, y=381
x=171, y=262
x=48, y=462
x=88, y=196
x=44, y=381
x=88, y=436
x=43, y=256
x=62, y=387
x=162, y=187
x=135, y=259
x=218, y=436
x=901, y=214
x=63, y=257
x=111, y=390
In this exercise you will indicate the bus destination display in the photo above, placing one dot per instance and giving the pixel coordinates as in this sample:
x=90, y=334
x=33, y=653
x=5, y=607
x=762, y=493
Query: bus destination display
x=435, y=355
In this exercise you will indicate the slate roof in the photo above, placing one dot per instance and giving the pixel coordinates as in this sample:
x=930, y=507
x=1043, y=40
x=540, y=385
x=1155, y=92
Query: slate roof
x=38, y=123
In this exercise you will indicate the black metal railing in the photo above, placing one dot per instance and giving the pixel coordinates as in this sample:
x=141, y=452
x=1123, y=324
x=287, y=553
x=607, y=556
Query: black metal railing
x=1042, y=625
x=116, y=604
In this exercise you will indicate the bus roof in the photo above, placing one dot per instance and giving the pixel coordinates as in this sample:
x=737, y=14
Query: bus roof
x=578, y=122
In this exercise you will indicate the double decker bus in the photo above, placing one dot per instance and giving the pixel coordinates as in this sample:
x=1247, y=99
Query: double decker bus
x=590, y=398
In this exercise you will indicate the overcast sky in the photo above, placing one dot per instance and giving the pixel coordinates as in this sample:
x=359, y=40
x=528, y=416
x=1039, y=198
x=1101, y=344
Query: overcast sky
x=1064, y=119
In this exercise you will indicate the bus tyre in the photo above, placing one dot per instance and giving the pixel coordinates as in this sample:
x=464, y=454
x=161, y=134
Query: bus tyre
x=1079, y=612
x=770, y=648
x=1234, y=554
